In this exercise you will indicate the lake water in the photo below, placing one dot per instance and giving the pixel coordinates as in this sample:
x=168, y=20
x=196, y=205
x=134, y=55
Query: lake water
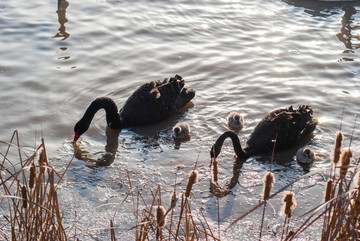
x=248, y=56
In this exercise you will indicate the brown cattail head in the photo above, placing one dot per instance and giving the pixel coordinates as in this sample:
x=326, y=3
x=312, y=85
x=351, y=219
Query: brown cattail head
x=24, y=196
x=289, y=203
x=268, y=180
x=328, y=189
x=357, y=179
x=160, y=216
x=173, y=200
x=215, y=170
x=344, y=162
x=32, y=176
x=338, y=146
x=192, y=180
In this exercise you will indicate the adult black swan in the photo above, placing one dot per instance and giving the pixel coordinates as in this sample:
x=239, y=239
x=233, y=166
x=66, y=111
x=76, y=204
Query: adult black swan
x=287, y=126
x=151, y=102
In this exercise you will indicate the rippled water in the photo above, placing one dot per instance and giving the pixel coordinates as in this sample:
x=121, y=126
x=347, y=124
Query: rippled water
x=249, y=56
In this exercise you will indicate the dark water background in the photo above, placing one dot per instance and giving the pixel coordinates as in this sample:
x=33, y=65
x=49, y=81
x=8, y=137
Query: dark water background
x=248, y=56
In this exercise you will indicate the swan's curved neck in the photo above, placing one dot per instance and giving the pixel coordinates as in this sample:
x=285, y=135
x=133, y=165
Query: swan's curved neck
x=112, y=116
x=215, y=150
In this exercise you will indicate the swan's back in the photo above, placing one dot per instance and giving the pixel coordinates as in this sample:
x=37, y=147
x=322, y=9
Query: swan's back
x=287, y=125
x=155, y=101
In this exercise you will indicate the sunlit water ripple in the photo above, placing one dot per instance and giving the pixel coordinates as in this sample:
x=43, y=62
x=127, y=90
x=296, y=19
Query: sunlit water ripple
x=248, y=56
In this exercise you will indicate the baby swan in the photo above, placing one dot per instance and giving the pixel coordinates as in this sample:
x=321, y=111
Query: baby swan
x=235, y=120
x=181, y=131
x=305, y=155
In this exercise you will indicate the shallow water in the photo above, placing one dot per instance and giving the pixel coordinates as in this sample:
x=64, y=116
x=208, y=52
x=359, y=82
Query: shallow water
x=252, y=57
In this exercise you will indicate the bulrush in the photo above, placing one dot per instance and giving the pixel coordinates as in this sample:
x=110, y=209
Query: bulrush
x=32, y=176
x=173, y=200
x=160, y=217
x=328, y=189
x=344, y=162
x=215, y=170
x=289, y=203
x=24, y=196
x=192, y=180
x=338, y=145
x=269, y=180
x=358, y=180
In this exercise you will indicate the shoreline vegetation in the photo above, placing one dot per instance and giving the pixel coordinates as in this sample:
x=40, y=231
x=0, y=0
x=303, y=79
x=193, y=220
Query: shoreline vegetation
x=31, y=210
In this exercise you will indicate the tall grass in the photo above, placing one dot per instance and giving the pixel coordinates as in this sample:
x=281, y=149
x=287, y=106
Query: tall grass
x=29, y=195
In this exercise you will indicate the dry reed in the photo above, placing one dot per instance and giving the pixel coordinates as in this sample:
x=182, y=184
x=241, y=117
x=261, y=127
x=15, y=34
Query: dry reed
x=33, y=211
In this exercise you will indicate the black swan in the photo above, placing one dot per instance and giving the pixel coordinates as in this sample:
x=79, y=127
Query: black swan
x=235, y=120
x=287, y=126
x=150, y=103
x=305, y=155
x=181, y=131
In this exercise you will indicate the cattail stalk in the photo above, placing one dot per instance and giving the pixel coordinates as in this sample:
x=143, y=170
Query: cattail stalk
x=268, y=180
x=192, y=180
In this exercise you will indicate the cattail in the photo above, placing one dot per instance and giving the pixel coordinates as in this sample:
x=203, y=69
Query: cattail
x=269, y=180
x=24, y=196
x=173, y=200
x=289, y=203
x=338, y=145
x=32, y=176
x=290, y=235
x=328, y=189
x=52, y=187
x=215, y=170
x=160, y=217
x=344, y=162
x=357, y=179
x=192, y=180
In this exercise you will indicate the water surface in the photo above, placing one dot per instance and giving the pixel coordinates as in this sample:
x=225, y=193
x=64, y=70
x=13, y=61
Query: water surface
x=252, y=57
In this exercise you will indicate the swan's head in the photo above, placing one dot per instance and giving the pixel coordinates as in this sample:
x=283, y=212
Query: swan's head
x=80, y=128
x=305, y=155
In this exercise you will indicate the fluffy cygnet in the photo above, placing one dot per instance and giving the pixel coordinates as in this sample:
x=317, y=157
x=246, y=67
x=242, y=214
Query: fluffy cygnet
x=305, y=155
x=181, y=131
x=235, y=120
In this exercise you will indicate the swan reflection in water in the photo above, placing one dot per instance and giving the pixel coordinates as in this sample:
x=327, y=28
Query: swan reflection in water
x=61, y=11
x=327, y=8
x=111, y=148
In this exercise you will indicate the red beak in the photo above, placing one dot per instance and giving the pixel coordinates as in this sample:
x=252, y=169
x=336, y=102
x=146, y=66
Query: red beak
x=76, y=137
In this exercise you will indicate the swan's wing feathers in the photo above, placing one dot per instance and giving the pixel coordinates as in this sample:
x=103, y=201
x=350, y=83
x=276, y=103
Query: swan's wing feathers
x=155, y=101
x=288, y=125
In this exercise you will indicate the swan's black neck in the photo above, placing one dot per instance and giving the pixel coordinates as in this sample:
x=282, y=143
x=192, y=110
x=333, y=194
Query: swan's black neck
x=106, y=103
x=216, y=148
x=112, y=116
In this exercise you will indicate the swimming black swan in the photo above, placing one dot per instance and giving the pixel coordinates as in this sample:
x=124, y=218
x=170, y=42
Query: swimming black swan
x=150, y=103
x=181, y=131
x=287, y=126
